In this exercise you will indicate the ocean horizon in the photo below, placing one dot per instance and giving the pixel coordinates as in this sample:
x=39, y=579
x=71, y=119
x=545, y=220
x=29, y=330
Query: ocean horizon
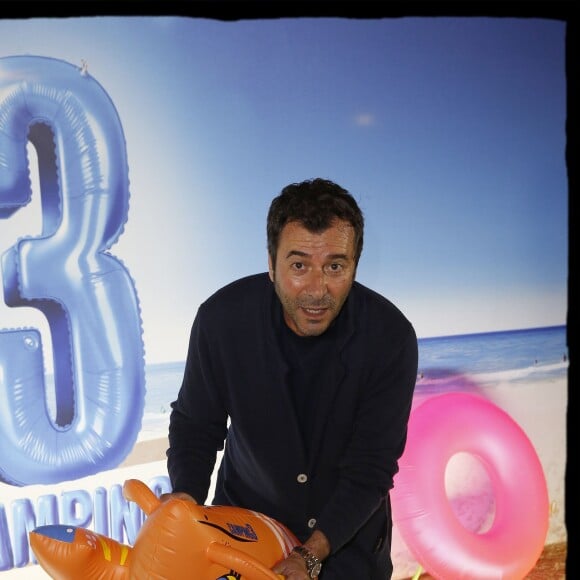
x=457, y=362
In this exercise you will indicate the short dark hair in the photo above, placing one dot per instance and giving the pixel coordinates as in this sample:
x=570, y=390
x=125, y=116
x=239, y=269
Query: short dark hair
x=314, y=203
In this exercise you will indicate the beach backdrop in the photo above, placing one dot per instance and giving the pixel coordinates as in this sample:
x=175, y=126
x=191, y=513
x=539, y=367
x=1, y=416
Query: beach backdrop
x=449, y=131
x=507, y=367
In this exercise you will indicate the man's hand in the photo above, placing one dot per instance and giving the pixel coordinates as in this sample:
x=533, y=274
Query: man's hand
x=294, y=566
x=176, y=495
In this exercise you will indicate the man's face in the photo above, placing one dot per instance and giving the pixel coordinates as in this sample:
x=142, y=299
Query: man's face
x=313, y=275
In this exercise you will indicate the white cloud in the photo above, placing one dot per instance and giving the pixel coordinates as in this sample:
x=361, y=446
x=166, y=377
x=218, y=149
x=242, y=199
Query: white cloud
x=364, y=119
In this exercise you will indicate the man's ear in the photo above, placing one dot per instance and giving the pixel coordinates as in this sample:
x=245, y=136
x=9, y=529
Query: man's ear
x=270, y=268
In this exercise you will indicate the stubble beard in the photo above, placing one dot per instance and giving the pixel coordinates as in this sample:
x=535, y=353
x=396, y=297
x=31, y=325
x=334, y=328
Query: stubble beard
x=294, y=307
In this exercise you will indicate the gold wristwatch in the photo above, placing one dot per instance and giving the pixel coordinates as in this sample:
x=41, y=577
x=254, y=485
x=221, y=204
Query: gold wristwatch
x=313, y=564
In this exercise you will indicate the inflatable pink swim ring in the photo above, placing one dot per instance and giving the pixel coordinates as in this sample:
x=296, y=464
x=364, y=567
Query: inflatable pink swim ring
x=440, y=428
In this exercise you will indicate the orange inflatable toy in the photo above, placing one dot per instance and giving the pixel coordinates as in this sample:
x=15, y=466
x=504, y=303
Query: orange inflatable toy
x=179, y=540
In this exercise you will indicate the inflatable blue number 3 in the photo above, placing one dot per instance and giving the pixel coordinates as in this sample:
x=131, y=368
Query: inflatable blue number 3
x=86, y=294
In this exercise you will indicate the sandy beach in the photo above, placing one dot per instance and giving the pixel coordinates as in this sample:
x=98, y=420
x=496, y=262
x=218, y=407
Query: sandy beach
x=539, y=408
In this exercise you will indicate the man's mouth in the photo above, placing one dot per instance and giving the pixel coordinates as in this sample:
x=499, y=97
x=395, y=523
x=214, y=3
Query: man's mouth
x=314, y=311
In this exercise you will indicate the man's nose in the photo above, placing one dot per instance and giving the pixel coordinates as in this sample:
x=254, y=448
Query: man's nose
x=317, y=285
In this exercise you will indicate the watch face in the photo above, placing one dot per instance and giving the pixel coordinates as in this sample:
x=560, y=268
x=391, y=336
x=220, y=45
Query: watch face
x=315, y=570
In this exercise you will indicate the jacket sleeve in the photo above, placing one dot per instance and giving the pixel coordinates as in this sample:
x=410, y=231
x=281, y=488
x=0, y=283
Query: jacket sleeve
x=198, y=420
x=378, y=439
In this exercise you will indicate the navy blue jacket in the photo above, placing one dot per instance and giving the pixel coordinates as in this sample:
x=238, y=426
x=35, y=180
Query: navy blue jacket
x=236, y=370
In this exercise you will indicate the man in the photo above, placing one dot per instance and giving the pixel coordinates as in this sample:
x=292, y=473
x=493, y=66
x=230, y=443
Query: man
x=315, y=373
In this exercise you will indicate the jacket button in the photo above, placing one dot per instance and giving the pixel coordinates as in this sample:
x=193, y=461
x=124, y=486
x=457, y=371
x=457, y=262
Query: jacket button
x=311, y=522
x=302, y=478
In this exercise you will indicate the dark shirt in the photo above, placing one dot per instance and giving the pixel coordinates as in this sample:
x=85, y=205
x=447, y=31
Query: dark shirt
x=305, y=356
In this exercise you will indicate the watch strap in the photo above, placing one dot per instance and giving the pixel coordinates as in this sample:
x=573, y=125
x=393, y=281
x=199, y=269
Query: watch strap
x=313, y=564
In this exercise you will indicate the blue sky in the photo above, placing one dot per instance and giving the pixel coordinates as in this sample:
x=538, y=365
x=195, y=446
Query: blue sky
x=450, y=132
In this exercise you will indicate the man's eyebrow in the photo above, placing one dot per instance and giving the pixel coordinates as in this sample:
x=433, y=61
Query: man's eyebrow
x=306, y=255
x=296, y=253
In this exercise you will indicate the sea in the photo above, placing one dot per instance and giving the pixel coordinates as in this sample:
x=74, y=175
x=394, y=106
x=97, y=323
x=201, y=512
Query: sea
x=493, y=358
x=459, y=362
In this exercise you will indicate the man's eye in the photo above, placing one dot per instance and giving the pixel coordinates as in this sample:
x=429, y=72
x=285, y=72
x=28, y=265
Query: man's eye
x=298, y=265
x=335, y=267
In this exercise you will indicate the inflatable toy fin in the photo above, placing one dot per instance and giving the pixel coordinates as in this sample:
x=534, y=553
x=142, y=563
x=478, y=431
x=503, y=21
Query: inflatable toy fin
x=136, y=491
